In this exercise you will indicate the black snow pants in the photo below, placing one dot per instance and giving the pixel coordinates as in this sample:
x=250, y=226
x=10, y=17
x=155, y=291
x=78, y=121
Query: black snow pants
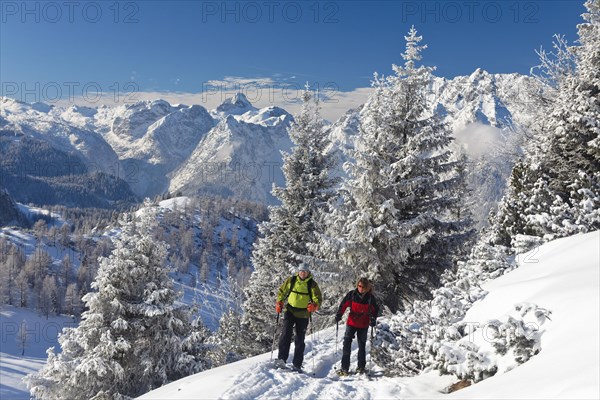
x=361, y=336
x=285, y=340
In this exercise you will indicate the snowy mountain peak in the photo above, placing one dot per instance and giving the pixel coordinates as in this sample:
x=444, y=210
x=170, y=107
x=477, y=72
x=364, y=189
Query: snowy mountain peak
x=137, y=117
x=269, y=116
x=8, y=106
x=236, y=105
x=155, y=105
x=478, y=74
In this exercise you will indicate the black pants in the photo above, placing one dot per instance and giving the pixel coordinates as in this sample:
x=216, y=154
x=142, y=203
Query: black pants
x=361, y=336
x=285, y=340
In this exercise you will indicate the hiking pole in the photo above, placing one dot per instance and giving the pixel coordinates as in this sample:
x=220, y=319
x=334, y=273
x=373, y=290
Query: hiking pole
x=370, y=351
x=312, y=335
x=274, y=336
x=337, y=325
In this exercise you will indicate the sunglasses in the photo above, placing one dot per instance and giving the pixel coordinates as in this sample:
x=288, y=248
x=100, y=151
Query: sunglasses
x=361, y=286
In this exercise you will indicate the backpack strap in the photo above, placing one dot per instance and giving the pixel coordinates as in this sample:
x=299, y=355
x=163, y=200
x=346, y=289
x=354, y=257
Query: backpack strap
x=293, y=283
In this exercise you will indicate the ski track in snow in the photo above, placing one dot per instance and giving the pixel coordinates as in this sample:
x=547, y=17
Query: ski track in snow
x=320, y=381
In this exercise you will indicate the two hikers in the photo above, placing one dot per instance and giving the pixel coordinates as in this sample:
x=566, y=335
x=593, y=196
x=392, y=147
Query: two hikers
x=303, y=297
x=363, y=313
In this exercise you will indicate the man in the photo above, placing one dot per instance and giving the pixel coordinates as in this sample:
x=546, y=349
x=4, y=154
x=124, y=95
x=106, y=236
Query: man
x=363, y=313
x=303, y=297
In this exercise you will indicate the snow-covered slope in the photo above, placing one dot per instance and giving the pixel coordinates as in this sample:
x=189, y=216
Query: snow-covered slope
x=46, y=123
x=155, y=131
x=9, y=212
x=42, y=333
x=152, y=139
x=240, y=157
x=225, y=231
x=562, y=276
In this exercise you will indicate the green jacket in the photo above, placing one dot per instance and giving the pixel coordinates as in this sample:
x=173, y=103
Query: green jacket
x=299, y=297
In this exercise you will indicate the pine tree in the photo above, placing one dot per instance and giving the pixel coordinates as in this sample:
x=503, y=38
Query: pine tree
x=396, y=222
x=133, y=337
x=509, y=220
x=227, y=346
x=555, y=191
x=294, y=224
x=420, y=336
x=575, y=145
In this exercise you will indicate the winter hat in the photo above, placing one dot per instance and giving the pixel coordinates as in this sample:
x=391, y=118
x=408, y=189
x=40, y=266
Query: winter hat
x=303, y=267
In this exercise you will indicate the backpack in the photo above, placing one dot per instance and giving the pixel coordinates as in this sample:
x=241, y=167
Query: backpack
x=309, y=286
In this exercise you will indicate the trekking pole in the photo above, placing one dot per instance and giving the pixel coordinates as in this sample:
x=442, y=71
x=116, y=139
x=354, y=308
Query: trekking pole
x=274, y=336
x=370, y=351
x=337, y=324
x=312, y=335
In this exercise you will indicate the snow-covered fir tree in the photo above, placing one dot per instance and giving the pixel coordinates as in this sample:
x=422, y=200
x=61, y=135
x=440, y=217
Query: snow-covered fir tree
x=552, y=192
x=412, y=339
x=555, y=190
x=398, y=223
x=433, y=333
x=133, y=336
x=292, y=226
x=227, y=344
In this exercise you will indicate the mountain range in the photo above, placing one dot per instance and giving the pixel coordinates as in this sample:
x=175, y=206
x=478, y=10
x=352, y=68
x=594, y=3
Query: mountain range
x=113, y=155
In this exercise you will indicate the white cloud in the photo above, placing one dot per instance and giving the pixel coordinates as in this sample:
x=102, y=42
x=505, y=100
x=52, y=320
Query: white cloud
x=239, y=84
x=478, y=139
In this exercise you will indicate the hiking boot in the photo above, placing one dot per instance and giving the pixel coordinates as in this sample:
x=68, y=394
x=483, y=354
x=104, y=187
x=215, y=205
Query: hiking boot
x=295, y=368
x=343, y=372
x=279, y=363
x=361, y=371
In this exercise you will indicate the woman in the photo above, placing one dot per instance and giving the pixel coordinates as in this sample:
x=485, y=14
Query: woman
x=363, y=313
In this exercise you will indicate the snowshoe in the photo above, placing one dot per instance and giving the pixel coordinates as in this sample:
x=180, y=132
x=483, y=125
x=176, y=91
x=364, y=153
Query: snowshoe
x=343, y=372
x=361, y=371
x=279, y=364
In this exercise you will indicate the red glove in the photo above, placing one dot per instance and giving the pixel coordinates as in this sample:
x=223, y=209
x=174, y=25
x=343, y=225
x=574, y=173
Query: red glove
x=278, y=307
x=312, y=307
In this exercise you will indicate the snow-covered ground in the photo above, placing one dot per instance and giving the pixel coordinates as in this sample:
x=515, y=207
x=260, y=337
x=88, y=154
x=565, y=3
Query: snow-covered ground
x=42, y=333
x=561, y=276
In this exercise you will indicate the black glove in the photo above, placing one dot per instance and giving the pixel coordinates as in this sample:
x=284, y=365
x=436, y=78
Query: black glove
x=373, y=322
x=338, y=317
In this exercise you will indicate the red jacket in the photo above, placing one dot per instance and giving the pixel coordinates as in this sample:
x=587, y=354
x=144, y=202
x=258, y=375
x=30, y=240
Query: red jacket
x=362, y=308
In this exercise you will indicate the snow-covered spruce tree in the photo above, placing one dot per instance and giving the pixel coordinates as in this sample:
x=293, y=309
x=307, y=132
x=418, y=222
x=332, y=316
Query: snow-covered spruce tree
x=133, y=337
x=428, y=331
x=227, y=344
x=397, y=222
x=562, y=175
x=292, y=225
x=510, y=219
x=541, y=201
x=574, y=157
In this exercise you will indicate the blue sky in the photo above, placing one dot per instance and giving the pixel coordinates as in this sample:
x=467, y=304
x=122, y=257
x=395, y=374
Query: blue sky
x=179, y=46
